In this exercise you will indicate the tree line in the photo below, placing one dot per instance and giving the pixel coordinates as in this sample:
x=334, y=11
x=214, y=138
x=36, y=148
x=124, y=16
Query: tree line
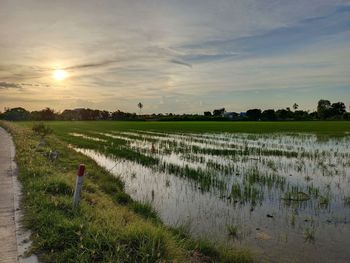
x=325, y=111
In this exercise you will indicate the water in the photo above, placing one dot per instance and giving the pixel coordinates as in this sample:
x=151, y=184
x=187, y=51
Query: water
x=259, y=175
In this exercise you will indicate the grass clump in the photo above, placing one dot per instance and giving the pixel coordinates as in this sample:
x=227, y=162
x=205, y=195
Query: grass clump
x=145, y=210
x=41, y=129
x=123, y=198
x=233, y=230
x=150, y=244
x=58, y=187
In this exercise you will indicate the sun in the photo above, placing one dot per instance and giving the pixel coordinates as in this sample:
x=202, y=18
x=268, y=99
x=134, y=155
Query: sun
x=60, y=74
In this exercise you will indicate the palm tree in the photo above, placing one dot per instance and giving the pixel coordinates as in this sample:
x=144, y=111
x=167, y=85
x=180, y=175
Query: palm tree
x=295, y=106
x=140, y=105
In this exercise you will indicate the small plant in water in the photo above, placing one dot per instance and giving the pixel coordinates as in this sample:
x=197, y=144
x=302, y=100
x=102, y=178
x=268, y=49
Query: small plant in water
x=133, y=175
x=167, y=183
x=309, y=235
x=233, y=230
x=308, y=178
x=292, y=221
x=324, y=200
x=347, y=200
x=296, y=196
x=271, y=164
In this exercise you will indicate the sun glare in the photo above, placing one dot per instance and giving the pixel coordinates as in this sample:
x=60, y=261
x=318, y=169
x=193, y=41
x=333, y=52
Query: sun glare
x=59, y=74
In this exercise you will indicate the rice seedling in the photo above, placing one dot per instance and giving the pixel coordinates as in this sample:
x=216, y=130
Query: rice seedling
x=324, y=200
x=296, y=196
x=347, y=201
x=233, y=231
x=309, y=234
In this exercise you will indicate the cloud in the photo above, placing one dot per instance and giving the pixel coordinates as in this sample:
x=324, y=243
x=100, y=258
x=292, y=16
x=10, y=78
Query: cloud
x=8, y=85
x=175, y=61
x=90, y=65
x=281, y=40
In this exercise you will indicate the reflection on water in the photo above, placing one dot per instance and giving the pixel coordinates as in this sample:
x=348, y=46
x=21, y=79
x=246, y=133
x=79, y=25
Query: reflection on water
x=287, y=194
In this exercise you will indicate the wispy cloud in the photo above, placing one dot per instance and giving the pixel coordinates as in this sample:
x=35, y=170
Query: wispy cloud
x=7, y=85
x=91, y=65
x=175, y=61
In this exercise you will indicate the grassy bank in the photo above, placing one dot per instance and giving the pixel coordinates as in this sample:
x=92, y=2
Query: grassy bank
x=107, y=226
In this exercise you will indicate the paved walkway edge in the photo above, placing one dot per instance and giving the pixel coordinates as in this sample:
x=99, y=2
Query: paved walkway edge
x=22, y=235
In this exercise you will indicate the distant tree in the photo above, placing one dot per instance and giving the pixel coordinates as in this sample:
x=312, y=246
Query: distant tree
x=71, y=115
x=85, y=114
x=140, y=105
x=219, y=112
x=283, y=114
x=47, y=114
x=295, y=106
x=105, y=115
x=346, y=116
x=16, y=114
x=268, y=115
x=35, y=115
x=313, y=115
x=338, y=109
x=324, y=109
x=300, y=115
x=253, y=114
x=119, y=115
x=207, y=113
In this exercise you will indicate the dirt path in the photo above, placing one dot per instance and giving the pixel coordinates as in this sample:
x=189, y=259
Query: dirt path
x=8, y=241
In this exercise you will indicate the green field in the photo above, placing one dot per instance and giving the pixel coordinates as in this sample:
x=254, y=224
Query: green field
x=108, y=225
x=281, y=189
x=331, y=128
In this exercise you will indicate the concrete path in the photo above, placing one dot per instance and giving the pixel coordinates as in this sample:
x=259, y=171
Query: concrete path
x=8, y=241
x=14, y=240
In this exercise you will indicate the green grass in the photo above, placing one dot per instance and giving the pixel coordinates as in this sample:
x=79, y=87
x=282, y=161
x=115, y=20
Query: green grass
x=328, y=128
x=108, y=226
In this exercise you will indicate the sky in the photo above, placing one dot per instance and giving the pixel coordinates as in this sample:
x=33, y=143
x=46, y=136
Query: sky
x=179, y=56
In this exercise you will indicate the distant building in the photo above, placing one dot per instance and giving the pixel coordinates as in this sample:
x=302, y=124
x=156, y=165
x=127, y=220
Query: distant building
x=230, y=115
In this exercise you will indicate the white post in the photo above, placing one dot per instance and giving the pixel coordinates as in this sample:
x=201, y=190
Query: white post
x=78, y=184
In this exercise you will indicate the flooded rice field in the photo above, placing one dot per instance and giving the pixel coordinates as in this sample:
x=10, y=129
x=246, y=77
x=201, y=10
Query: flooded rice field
x=284, y=196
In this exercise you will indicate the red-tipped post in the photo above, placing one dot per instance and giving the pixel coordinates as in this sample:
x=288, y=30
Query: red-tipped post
x=81, y=170
x=78, y=184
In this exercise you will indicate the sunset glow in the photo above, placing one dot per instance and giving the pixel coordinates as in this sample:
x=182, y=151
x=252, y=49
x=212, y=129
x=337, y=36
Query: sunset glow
x=60, y=74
